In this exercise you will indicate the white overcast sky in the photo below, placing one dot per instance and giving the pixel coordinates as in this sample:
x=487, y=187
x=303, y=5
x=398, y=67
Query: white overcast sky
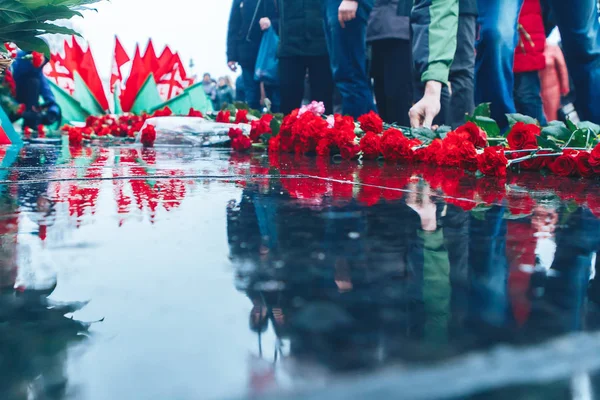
x=197, y=29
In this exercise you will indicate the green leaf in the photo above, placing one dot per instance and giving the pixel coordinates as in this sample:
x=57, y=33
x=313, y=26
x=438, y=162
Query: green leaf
x=442, y=131
x=549, y=142
x=488, y=125
x=558, y=130
x=11, y=11
x=482, y=110
x=241, y=106
x=572, y=127
x=579, y=138
x=514, y=118
x=74, y=3
x=595, y=128
x=52, y=13
x=38, y=28
x=28, y=43
x=275, y=126
x=424, y=134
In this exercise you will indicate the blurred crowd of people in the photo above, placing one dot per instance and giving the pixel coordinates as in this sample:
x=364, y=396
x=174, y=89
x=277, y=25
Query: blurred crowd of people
x=423, y=62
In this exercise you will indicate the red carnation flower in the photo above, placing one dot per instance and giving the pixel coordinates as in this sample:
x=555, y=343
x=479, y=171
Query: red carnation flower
x=165, y=112
x=468, y=156
x=523, y=136
x=75, y=137
x=396, y=147
x=234, y=133
x=223, y=117
x=371, y=122
x=583, y=164
x=343, y=123
x=275, y=144
x=37, y=59
x=324, y=147
x=241, y=117
x=349, y=151
x=477, y=136
x=41, y=131
x=370, y=144
x=565, y=165
x=195, y=113
x=492, y=162
x=260, y=127
x=148, y=136
x=241, y=143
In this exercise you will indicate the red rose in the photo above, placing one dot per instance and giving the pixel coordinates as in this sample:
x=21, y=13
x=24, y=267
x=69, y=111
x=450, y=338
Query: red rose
x=195, y=113
x=37, y=59
x=223, y=117
x=492, y=162
x=595, y=159
x=565, y=165
x=241, y=143
x=148, y=136
x=523, y=136
x=371, y=122
x=477, y=136
x=583, y=164
x=275, y=144
x=75, y=136
x=241, y=117
x=235, y=133
x=349, y=151
x=370, y=144
x=396, y=147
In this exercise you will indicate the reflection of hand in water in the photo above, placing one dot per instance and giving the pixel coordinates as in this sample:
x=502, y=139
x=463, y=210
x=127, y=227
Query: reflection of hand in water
x=544, y=221
x=419, y=199
x=342, y=276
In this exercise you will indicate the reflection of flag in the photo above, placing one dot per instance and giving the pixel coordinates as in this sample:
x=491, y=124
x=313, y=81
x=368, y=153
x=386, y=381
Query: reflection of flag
x=120, y=58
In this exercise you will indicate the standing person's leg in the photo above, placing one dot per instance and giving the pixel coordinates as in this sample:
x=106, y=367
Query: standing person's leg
x=321, y=81
x=348, y=53
x=495, y=56
x=462, y=73
x=251, y=87
x=377, y=73
x=528, y=100
x=292, y=71
x=580, y=33
x=272, y=93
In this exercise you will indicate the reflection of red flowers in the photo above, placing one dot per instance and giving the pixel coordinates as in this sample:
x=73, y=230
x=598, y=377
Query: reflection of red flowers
x=371, y=122
x=523, y=136
x=370, y=145
x=75, y=137
x=21, y=109
x=241, y=143
x=41, y=131
x=223, y=117
x=241, y=117
x=27, y=132
x=324, y=147
x=594, y=159
x=37, y=59
x=275, y=144
x=10, y=82
x=148, y=136
x=566, y=164
x=195, y=113
x=520, y=203
x=583, y=164
x=492, y=162
x=477, y=136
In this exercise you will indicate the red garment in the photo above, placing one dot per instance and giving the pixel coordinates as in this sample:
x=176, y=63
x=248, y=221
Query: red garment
x=529, y=54
x=555, y=81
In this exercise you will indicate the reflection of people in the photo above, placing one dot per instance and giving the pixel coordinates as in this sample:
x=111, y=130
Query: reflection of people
x=31, y=86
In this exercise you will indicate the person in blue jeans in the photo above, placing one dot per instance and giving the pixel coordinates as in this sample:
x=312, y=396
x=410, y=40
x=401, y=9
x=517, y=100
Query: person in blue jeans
x=345, y=32
x=579, y=28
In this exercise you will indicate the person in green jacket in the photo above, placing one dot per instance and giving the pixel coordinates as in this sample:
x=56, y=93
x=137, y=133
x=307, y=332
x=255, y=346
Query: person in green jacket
x=435, y=26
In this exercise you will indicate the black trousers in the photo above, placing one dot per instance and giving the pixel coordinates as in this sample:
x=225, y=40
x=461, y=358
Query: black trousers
x=391, y=70
x=292, y=73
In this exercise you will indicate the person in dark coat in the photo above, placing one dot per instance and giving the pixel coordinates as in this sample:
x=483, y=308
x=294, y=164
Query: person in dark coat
x=31, y=84
x=345, y=32
x=302, y=48
x=388, y=33
x=247, y=21
x=224, y=92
